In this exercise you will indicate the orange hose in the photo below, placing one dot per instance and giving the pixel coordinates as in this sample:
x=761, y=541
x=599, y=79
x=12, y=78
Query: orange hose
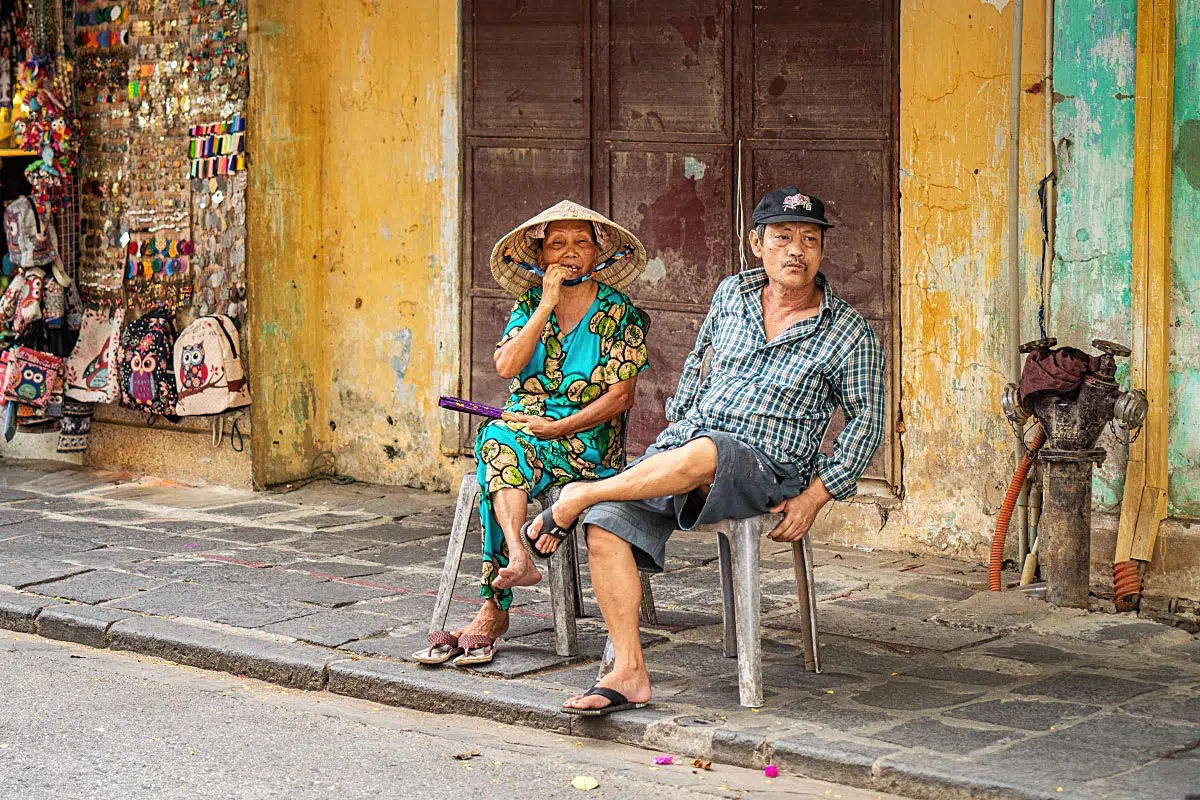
x=1006, y=510
x=1127, y=582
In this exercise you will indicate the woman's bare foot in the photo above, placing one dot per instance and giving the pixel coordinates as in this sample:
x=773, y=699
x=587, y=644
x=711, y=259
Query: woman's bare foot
x=565, y=512
x=489, y=621
x=635, y=685
x=520, y=571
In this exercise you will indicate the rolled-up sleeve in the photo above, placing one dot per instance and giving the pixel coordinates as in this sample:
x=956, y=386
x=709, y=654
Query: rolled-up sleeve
x=862, y=396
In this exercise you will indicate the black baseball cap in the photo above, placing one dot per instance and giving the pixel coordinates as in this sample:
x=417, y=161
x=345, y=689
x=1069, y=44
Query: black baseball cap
x=789, y=204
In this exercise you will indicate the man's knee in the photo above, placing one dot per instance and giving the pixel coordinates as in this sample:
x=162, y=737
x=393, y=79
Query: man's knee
x=602, y=543
x=702, y=460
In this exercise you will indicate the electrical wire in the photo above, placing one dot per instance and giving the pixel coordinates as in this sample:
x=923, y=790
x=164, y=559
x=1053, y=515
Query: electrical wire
x=1045, y=212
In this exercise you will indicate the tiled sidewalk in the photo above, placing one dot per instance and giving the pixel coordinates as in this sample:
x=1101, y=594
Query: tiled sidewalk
x=932, y=687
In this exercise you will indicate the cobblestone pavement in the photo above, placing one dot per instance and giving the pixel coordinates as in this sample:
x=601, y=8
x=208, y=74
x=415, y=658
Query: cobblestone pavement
x=933, y=687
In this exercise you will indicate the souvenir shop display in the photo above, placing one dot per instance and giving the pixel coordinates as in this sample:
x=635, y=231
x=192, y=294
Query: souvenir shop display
x=40, y=314
x=136, y=110
x=42, y=123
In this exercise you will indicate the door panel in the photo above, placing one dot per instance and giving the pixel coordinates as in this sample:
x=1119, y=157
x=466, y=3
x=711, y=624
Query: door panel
x=678, y=204
x=640, y=110
x=528, y=67
x=510, y=182
x=489, y=315
x=672, y=336
x=822, y=67
x=669, y=69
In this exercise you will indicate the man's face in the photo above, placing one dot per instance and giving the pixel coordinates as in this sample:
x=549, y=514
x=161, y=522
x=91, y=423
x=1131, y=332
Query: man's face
x=570, y=243
x=791, y=252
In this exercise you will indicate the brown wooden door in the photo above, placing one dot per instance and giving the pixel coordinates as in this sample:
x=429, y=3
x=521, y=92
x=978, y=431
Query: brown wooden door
x=660, y=114
x=818, y=104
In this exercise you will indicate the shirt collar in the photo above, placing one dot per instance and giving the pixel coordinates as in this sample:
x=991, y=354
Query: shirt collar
x=753, y=280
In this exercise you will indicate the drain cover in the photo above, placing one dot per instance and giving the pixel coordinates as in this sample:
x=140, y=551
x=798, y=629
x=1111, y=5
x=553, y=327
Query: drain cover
x=700, y=722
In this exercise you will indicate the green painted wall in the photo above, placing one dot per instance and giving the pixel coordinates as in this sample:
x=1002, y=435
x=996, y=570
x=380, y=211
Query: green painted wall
x=1094, y=65
x=1094, y=60
x=1184, y=486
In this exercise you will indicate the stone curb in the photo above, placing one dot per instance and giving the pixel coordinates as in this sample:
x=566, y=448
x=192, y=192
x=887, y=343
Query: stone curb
x=19, y=612
x=298, y=666
x=86, y=625
x=449, y=690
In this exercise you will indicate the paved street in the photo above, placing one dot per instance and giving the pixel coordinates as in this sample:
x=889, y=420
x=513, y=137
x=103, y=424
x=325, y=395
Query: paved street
x=931, y=685
x=80, y=723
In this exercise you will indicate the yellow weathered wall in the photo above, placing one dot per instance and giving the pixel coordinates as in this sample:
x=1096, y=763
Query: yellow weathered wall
x=391, y=235
x=286, y=244
x=954, y=301
x=354, y=215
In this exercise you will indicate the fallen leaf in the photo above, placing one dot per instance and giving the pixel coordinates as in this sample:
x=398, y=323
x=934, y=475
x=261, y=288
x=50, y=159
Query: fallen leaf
x=584, y=783
x=466, y=756
x=701, y=763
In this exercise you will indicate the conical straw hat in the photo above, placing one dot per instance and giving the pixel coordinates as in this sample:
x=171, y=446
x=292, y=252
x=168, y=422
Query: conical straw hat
x=625, y=254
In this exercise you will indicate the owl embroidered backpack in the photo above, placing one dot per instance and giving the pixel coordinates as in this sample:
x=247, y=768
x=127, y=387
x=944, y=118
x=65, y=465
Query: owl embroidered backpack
x=147, y=374
x=209, y=375
x=30, y=376
x=91, y=370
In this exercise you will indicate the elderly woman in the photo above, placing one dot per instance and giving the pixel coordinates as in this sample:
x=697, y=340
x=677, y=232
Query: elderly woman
x=573, y=347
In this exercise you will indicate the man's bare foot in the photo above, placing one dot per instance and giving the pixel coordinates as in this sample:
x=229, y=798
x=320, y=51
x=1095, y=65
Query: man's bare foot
x=635, y=685
x=490, y=621
x=565, y=512
x=520, y=571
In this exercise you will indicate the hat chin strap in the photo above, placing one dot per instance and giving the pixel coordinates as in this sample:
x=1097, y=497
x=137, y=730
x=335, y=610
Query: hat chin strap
x=623, y=253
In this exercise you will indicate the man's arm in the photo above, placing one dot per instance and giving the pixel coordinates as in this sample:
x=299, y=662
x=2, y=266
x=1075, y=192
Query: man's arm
x=862, y=397
x=861, y=394
x=690, y=380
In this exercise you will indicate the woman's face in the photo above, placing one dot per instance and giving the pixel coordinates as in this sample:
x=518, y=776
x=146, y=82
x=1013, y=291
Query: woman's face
x=570, y=243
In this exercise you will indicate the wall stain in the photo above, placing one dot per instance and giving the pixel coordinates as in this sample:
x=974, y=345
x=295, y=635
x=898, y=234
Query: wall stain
x=1187, y=151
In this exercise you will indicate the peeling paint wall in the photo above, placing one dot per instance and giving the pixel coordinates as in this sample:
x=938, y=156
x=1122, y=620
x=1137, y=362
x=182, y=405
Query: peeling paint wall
x=1184, y=447
x=1094, y=63
x=354, y=237
x=392, y=233
x=286, y=247
x=954, y=101
x=1094, y=60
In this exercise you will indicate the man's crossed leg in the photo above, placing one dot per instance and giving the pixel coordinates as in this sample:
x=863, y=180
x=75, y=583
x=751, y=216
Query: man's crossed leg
x=613, y=566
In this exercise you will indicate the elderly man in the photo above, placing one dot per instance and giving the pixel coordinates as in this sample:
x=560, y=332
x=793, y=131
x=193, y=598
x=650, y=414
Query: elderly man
x=743, y=440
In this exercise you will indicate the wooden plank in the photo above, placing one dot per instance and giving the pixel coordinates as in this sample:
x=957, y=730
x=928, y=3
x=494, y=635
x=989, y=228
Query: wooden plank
x=668, y=70
x=1143, y=504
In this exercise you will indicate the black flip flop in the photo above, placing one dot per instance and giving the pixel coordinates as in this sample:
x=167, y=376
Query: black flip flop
x=616, y=702
x=549, y=528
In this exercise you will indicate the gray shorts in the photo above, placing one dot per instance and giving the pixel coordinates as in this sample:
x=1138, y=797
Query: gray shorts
x=747, y=484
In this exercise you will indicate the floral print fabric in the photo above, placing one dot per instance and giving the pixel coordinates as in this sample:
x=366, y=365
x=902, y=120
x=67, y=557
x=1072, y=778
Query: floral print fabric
x=566, y=373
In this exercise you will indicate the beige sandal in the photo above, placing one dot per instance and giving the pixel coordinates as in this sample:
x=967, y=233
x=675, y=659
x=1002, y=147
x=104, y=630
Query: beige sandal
x=443, y=646
x=476, y=650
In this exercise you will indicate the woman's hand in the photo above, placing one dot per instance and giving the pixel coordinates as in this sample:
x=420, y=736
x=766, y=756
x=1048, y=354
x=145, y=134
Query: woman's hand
x=541, y=427
x=552, y=285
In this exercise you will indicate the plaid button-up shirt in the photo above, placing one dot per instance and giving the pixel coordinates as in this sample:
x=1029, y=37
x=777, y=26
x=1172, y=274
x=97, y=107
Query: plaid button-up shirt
x=779, y=396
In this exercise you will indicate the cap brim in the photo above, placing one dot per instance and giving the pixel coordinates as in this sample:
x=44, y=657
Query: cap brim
x=792, y=218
